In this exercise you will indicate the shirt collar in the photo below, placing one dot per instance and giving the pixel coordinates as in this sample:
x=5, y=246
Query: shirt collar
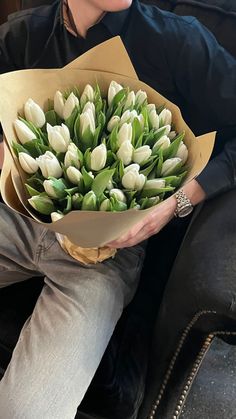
x=113, y=21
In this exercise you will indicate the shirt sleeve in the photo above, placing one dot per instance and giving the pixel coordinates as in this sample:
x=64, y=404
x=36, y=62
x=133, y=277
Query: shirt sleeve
x=205, y=76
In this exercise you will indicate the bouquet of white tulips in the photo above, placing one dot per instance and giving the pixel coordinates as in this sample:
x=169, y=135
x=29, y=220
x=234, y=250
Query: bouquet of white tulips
x=95, y=153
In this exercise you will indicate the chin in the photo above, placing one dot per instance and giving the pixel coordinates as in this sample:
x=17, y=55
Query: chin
x=115, y=5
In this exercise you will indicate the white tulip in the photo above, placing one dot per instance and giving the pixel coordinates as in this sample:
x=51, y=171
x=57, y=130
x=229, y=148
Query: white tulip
x=171, y=135
x=125, y=152
x=140, y=97
x=132, y=167
x=49, y=165
x=133, y=180
x=165, y=117
x=98, y=157
x=142, y=154
x=169, y=166
x=141, y=120
x=124, y=134
x=87, y=95
x=58, y=137
x=130, y=101
x=155, y=184
x=151, y=107
x=128, y=116
x=48, y=187
x=74, y=175
x=105, y=205
x=71, y=102
x=114, y=88
x=55, y=216
x=182, y=152
x=91, y=106
x=72, y=157
x=119, y=194
x=59, y=102
x=162, y=143
x=28, y=163
x=34, y=114
x=87, y=120
x=109, y=185
x=23, y=132
x=114, y=121
x=154, y=119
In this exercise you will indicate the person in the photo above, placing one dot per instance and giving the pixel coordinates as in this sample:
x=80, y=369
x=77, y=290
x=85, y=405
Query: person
x=61, y=344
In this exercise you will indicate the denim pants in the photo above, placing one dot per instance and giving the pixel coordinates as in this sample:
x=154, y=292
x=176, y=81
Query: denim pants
x=62, y=343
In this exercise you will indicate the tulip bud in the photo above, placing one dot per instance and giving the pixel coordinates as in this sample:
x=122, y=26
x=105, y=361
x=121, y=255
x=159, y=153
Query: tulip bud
x=23, y=132
x=89, y=202
x=165, y=117
x=55, y=188
x=87, y=95
x=105, y=205
x=91, y=106
x=124, y=134
x=142, y=154
x=169, y=166
x=28, y=163
x=74, y=175
x=114, y=121
x=154, y=184
x=133, y=180
x=182, y=152
x=71, y=102
x=128, y=116
x=72, y=156
x=130, y=101
x=98, y=157
x=140, y=97
x=49, y=165
x=42, y=204
x=34, y=114
x=151, y=107
x=114, y=88
x=109, y=185
x=55, y=216
x=119, y=194
x=132, y=167
x=171, y=135
x=58, y=137
x=87, y=121
x=59, y=103
x=125, y=152
x=162, y=143
x=154, y=119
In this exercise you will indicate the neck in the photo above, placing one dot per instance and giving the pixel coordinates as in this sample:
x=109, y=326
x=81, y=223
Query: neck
x=85, y=15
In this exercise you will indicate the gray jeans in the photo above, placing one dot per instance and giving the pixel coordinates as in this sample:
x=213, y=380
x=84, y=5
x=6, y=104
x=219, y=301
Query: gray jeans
x=62, y=343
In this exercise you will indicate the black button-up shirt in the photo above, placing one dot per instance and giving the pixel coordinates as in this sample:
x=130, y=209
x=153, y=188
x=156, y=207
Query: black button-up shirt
x=175, y=55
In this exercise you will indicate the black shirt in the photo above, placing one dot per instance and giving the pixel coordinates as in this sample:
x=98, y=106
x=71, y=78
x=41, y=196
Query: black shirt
x=175, y=55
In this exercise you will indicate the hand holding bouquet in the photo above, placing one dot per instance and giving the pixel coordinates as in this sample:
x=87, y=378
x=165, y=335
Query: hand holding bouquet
x=94, y=153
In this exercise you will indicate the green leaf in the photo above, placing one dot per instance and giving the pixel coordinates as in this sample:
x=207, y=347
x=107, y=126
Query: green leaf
x=70, y=122
x=32, y=191
x=147, y=193
x=87, y=179
x=51, y=117
x=101, y=180
x=19, y=148
x=159, y=164
x=147, y=170
x=173, y=148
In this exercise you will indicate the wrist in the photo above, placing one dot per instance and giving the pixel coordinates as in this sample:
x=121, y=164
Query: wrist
x=194, y=192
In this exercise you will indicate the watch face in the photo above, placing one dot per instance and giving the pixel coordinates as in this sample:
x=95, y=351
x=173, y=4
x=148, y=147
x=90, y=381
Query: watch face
x=184, y=211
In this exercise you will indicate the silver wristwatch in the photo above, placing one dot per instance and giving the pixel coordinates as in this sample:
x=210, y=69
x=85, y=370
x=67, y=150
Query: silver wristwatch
x=184, y=205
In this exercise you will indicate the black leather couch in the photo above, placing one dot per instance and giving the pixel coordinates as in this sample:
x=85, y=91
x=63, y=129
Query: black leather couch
x=125, y=377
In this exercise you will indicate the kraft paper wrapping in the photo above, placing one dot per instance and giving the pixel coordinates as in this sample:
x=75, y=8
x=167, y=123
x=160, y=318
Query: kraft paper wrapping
x=93, y=228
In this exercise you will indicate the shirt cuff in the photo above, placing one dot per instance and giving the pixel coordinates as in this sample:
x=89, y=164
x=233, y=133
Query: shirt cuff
x=216, y=178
